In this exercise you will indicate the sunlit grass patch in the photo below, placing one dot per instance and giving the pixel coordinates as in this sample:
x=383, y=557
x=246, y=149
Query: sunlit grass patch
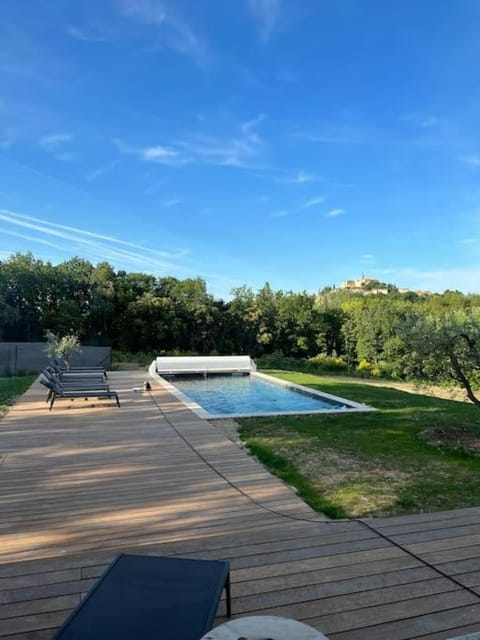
x=12, y=387
x=381, y=463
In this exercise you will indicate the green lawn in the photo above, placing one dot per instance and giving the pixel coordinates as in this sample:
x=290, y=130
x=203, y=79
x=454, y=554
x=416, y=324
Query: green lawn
x=416, y=453
x=12, y=387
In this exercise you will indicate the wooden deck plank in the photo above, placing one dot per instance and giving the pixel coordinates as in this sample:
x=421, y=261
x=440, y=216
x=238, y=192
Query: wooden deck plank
x=80, y=484
x=442, y=624
x=447, y=634
x=42, y=605
x=433, y=516
x=365, y=618
x=469, y=579
x=450, y=555
x=443, y=522
x=441, y=534
x=346, y=595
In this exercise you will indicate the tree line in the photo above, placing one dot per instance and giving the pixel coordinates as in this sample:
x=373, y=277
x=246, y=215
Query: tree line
x=395, y=335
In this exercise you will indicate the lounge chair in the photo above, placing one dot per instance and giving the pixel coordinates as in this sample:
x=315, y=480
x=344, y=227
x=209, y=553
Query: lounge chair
x=76, y=383
x=151, y=597
x=61, y=368
x=82, y=386
x=57, y=390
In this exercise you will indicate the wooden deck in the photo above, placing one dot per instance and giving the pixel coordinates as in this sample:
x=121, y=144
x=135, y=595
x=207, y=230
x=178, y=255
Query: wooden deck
x=80, y=484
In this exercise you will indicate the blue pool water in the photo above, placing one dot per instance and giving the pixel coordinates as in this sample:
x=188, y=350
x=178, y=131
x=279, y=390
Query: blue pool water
x=248, y=395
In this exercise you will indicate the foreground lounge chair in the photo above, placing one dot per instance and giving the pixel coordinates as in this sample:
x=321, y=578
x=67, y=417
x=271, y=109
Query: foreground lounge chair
x=57, y=390
x=144, y=597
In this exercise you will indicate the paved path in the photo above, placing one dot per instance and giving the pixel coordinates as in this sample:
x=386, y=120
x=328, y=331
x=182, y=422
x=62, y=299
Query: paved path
x=80, y=484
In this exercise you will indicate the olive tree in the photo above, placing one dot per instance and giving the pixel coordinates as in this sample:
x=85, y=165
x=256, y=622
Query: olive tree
x=62, y=347
x=446, y=346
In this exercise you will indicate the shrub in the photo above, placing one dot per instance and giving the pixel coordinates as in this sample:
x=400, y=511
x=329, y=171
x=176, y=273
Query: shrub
x=331, y=364
x=140, y=357
x=277, y=360
x=317, y=364
x=364, y=368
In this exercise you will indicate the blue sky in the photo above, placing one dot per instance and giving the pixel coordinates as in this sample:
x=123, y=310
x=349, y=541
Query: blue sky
x=300, y=142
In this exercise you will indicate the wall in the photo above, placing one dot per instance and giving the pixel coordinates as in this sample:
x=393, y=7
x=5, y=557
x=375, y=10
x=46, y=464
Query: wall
x=30, y=357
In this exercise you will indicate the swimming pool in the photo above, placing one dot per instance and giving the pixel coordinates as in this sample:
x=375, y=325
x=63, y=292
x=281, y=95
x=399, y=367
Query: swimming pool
x=235, y=396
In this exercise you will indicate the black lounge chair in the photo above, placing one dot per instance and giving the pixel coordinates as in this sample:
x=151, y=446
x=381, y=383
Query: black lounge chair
x=76, y=383
x=57, y=390
x=152, y=598
x=60, y=368
x=52, y=373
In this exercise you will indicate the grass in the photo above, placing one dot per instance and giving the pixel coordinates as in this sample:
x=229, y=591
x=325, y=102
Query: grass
x=373, y=464
x=12, y=387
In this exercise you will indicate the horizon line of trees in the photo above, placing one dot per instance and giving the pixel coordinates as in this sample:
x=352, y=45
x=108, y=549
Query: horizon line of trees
x=398, y=335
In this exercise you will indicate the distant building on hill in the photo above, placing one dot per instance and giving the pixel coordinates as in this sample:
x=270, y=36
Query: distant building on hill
x=366, y=286
x=373, y=286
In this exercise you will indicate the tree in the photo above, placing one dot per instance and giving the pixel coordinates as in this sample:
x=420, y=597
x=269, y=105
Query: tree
x=23, y=294
x=299, y=325
x=446, y=346
x=102, y=304
x=62, y=347
x=372, y=330
x=244, y=321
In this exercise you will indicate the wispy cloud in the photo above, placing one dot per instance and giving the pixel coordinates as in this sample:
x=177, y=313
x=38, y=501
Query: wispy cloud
x=333, y=213
x=170, y=30
x=422, y=121
x=172, y=202
x=266, y=14
x=55, y=144
x=301, y=177
x=249, y=126
x=35, y=239
x=66, y=156
x=425, y=132
x=55, y=141
x=367, y=258
x=160, y=153
x=70, y=241
x=86, y=36
x=235, y=152
x=428, y=122
x=312, y=202
x=156, y=153
x=339, y=134
x=93, y=245
x=242, y=149
x=101, y=170
x=473, y=161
